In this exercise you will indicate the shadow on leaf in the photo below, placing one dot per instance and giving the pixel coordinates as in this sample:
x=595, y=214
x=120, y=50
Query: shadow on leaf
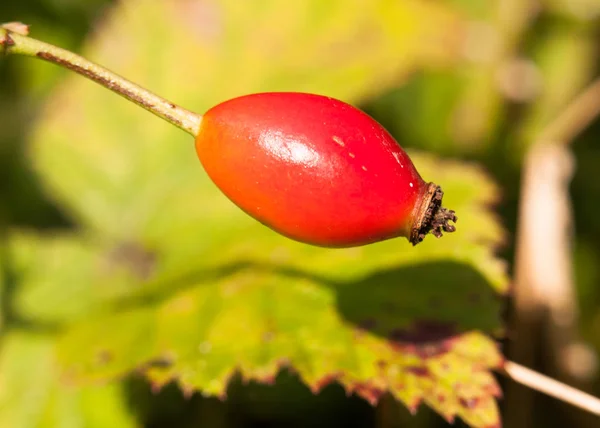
x=421, y=303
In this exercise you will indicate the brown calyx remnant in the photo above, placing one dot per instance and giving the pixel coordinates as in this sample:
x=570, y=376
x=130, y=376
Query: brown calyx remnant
x=431, y=216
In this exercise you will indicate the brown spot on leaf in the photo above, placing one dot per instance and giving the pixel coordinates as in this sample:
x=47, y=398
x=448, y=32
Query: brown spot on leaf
x=133, y=256
x=493, y=389
x=418, y=371
x=160, y=362
x=424, y=351
x=468, y=403
x=431, y=350
x=424, y=332
x=103, y=357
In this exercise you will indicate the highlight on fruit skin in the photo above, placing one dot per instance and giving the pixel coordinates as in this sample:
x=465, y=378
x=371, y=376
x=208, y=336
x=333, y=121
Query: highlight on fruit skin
x=318, y=171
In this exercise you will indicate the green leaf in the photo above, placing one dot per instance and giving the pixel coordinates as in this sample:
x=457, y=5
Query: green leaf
x=167, y=275
x=31, y=394
x=384, y=316
x=399, y=330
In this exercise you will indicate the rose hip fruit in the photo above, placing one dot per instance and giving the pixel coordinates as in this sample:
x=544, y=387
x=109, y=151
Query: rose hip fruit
x=317, y=170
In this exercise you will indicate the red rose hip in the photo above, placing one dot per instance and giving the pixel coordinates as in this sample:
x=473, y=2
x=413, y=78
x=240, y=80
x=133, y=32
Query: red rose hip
x=317, y=170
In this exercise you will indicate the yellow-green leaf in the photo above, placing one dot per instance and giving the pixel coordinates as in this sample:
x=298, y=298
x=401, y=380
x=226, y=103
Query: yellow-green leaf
x=32, y=395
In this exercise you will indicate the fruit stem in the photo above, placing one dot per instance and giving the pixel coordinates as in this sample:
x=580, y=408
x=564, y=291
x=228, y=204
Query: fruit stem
x=14, y=40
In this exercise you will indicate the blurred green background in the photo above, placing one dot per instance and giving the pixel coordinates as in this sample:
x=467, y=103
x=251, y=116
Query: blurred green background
x=479, y=90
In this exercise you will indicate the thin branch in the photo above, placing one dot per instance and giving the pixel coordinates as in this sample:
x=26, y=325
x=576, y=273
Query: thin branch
x=13, y=40
x=575, y=118
x=551, y=387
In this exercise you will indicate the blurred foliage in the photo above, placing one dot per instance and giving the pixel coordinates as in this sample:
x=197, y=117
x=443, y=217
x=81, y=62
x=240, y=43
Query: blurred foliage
x=33, y=395
x=120, y=258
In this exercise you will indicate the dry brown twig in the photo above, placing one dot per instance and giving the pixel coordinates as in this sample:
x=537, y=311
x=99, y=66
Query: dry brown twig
x=543, y=259
x=551, y=387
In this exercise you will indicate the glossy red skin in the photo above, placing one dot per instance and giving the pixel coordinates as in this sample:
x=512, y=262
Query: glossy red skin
x=312, y=168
